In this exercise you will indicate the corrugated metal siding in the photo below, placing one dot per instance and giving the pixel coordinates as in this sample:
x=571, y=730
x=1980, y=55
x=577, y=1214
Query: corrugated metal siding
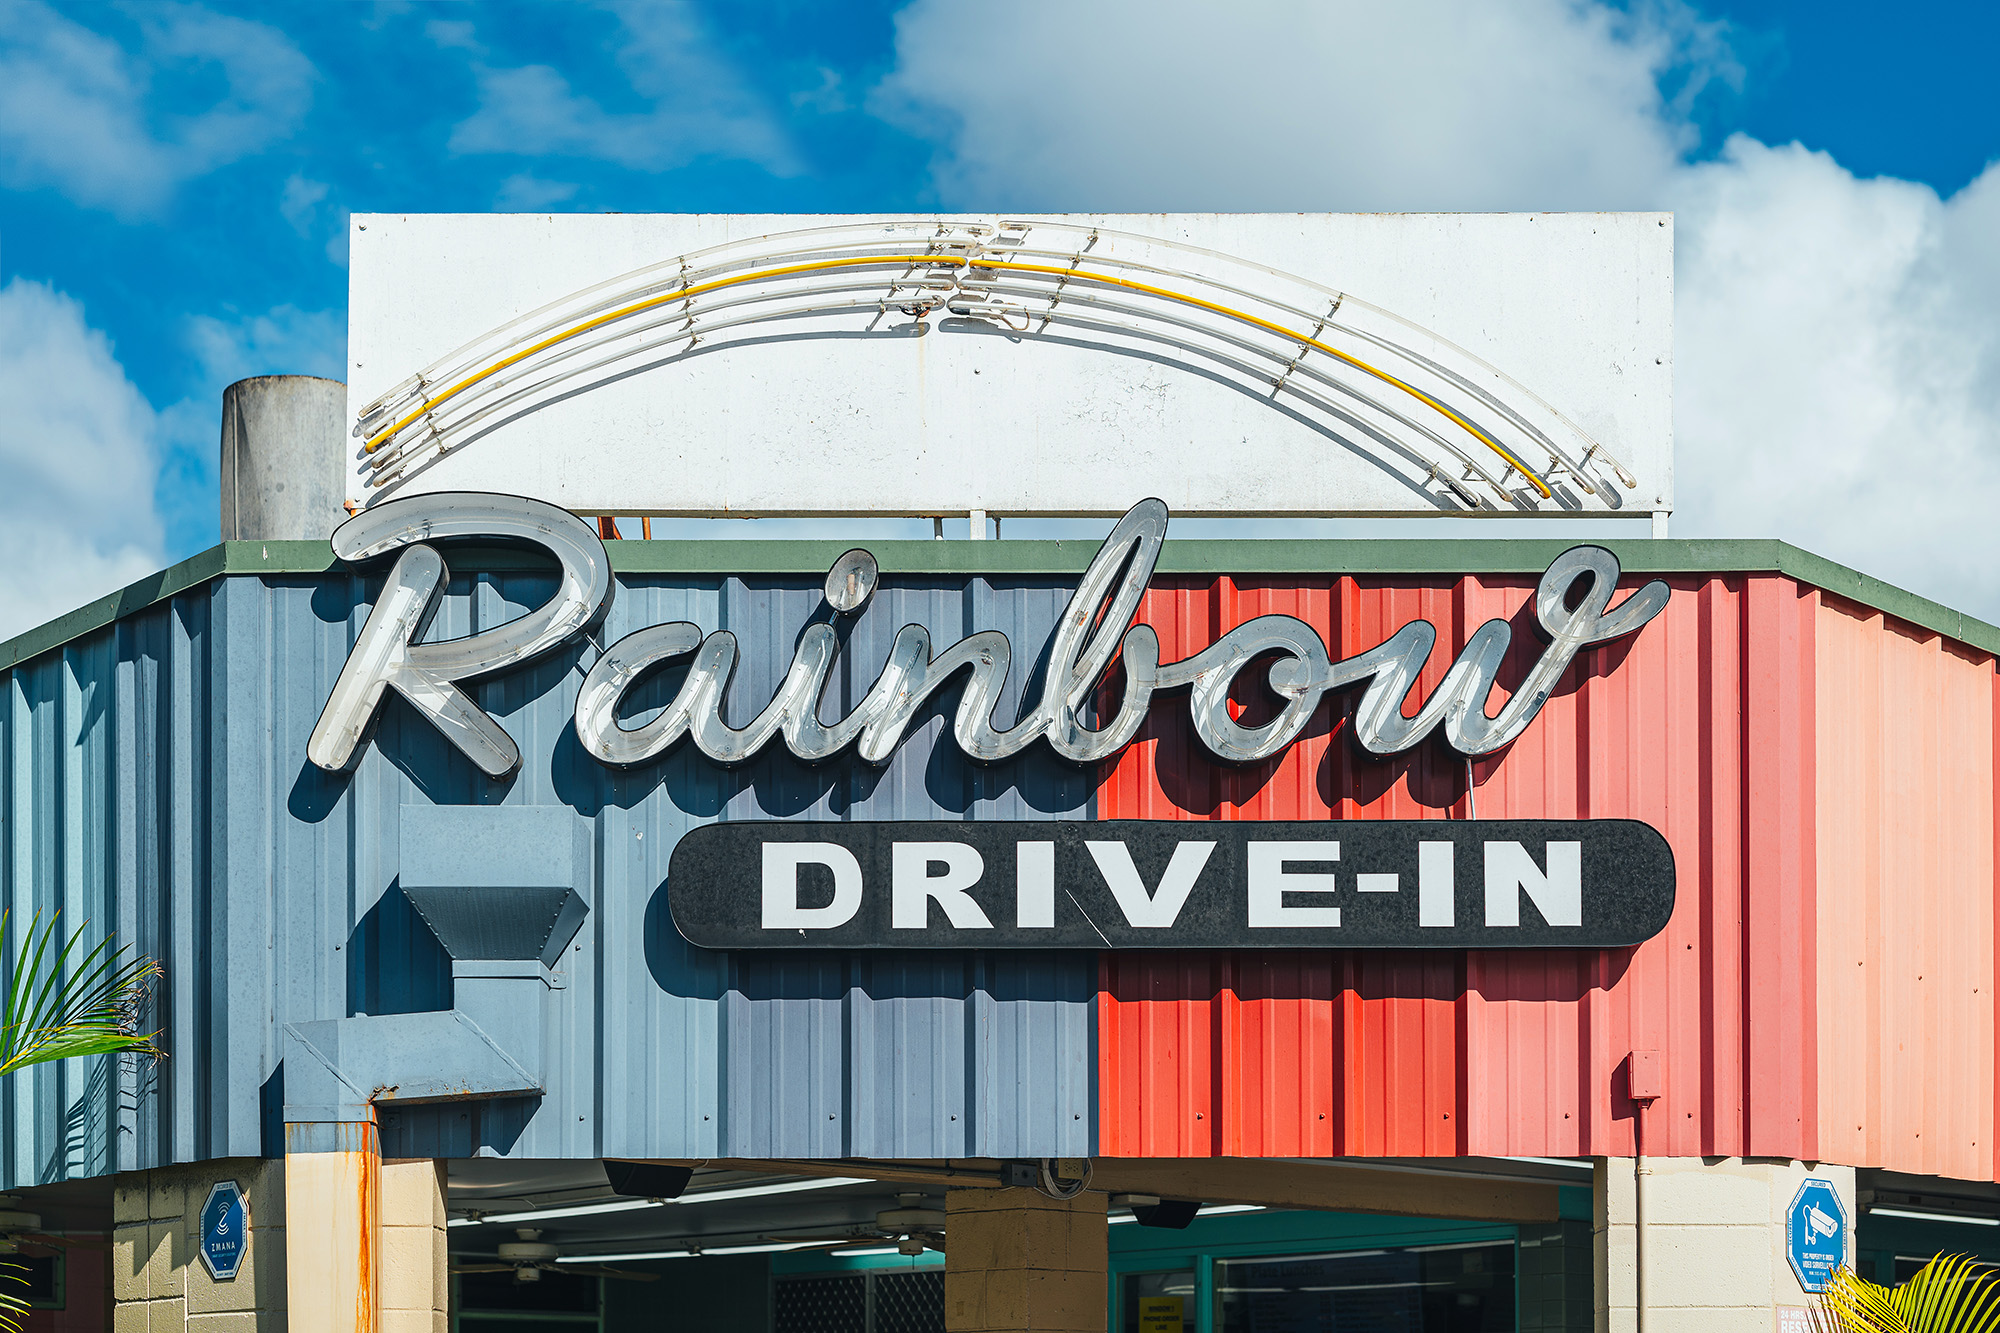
x=155, y=783
x=1906, y=915
x=115, y=779
x=1494, y=1052
x=153, y=780
x=705, y=1054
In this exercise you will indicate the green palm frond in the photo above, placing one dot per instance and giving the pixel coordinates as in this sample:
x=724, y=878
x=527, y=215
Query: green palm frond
x=70, y=997
x=1953, y=1293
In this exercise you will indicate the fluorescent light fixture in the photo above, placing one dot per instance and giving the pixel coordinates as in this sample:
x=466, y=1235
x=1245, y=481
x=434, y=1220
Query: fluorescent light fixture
x=759, y=1191
x=548, y=1214
x=681, y=1254
x=1213, y=1210
x=624, y=1205
x=1915, y=1216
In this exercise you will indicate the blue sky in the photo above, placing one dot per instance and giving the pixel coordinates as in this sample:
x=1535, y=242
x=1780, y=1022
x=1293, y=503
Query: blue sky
x=175, y=180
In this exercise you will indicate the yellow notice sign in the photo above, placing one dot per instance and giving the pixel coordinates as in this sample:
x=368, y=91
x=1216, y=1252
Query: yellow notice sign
x=1160, y=1314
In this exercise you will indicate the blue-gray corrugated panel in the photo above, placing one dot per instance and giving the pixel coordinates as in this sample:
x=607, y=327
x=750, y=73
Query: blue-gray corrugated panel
x=154, y=781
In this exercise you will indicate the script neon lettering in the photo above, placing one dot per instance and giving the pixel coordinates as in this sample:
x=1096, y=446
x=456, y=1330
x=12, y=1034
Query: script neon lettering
x=1572, y=609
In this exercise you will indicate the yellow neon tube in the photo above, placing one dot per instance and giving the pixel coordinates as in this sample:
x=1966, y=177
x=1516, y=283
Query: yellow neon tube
x=934, y=261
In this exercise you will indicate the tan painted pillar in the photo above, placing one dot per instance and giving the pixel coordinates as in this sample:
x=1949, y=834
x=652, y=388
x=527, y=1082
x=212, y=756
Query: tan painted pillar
x=1712, y=1254
x=1017, y=1260
x=331, y=1179
x=370, y=1235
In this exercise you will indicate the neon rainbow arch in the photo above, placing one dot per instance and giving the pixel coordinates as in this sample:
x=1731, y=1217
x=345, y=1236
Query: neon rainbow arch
x=1489, y=442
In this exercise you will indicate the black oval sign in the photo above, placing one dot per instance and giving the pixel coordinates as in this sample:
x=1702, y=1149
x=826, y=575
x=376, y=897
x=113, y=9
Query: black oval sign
x=1173, y=884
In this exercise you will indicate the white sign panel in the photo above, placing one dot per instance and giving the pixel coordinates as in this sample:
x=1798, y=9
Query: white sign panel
x=1304, y=364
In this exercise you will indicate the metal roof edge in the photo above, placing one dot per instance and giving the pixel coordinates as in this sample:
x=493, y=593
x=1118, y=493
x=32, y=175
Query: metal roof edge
x=1362, y=555
x=226, y=558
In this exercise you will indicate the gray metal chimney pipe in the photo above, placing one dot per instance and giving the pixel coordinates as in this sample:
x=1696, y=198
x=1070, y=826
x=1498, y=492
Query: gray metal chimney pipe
x=283, y=458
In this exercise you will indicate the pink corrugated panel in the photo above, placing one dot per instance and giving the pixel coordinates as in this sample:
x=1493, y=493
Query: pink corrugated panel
x=1906, y=896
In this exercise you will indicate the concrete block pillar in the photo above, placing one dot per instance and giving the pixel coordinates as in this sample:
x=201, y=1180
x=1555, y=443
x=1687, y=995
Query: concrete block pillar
x=1710, y=1253
x=1017, y=1260
x=285, y=451
x=415, y=1282
x=158, y=1285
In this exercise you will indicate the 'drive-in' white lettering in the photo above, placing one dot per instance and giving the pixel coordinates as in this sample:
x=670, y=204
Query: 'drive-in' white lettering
x=1270, y=882
x=1158, y=909
x=1558, y=894
x=1035, y=885
x=781, y=885
x=1437, y=885
x=912, y=886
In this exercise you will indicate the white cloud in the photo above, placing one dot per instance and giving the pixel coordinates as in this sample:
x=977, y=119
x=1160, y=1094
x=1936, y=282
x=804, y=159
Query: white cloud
x=1426, y=104
x=81, y=113
x=1836, y=356
x=300, y=201
x=702, y=105
x=526, y=193
x=827, y=97
x=79, y=450
x=282, y=341
x=454, y=35
x=1838, y=340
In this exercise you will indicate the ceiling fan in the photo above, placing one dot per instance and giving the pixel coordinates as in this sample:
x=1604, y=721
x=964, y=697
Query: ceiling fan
x=913, y=1227
x=529, y=1256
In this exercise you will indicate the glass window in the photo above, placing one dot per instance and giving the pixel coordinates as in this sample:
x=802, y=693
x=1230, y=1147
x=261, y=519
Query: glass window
x=1159, y=1302
x=43, y=1276
x=1423, y=1289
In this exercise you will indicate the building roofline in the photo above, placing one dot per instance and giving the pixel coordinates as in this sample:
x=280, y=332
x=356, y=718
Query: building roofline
x=1364, y=555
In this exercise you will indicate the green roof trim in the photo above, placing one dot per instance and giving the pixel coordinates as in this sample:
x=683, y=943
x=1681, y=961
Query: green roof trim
x=1348, y=556
x=216, y=561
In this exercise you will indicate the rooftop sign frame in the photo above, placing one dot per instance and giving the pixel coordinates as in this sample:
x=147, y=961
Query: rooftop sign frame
x=1298, y=364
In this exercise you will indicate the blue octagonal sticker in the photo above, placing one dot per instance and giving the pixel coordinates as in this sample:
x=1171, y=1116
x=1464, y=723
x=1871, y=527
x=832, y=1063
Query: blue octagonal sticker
x=1816, y=1234
x=225, y=1231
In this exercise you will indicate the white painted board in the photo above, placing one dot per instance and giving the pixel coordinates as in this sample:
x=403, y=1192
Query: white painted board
x=884, y=412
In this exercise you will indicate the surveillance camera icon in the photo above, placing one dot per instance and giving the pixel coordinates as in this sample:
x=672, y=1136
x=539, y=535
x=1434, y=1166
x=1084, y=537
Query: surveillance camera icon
x=1820, y=1223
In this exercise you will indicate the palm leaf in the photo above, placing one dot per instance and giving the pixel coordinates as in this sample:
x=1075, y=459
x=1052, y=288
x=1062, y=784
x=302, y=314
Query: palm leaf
x=70, y=997
x=1853, y=1304
x=67, y=997
x=1950, y=1294
x=13, y=1308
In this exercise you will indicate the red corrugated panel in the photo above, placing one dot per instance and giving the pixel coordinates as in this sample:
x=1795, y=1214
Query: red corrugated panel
x=1699, y=726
